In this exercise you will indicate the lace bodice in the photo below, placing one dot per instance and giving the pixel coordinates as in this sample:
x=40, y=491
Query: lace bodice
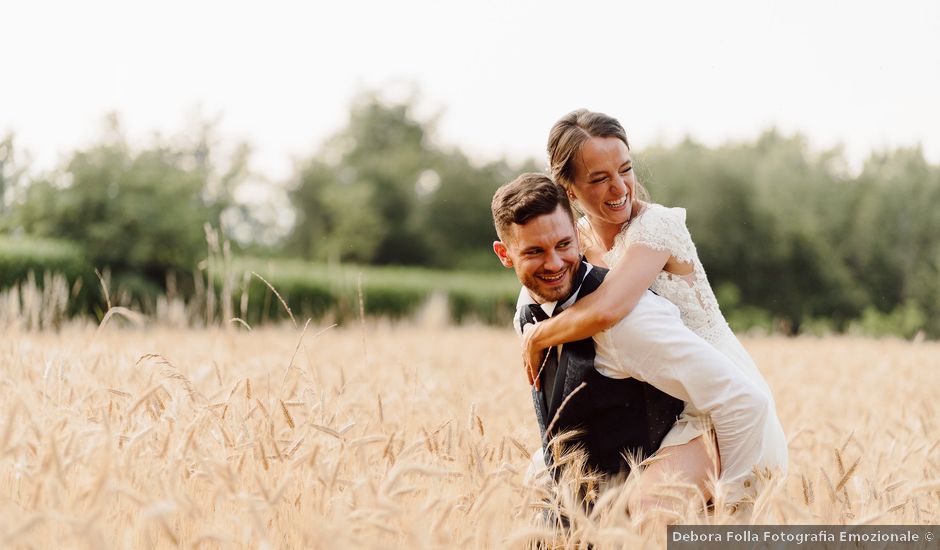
x=662, y=228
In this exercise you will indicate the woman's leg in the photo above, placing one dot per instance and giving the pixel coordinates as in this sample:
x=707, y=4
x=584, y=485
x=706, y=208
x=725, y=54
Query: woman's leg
x=694, y=463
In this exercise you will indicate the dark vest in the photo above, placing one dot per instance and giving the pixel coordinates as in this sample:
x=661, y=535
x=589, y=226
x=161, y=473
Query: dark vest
x=614, y=417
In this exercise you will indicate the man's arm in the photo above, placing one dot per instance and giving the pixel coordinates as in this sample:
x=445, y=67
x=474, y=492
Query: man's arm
x=653, y=345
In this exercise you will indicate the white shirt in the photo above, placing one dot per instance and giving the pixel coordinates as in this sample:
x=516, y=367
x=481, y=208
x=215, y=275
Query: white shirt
x=653, y=345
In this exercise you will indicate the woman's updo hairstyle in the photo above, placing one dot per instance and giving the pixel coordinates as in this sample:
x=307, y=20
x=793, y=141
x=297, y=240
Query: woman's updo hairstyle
x=570, y=133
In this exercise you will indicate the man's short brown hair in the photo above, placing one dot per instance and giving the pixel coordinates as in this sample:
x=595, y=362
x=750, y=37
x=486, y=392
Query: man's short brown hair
x=526, y=197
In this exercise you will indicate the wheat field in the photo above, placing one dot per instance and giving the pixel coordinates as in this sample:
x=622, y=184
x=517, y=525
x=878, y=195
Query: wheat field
x=394, y=436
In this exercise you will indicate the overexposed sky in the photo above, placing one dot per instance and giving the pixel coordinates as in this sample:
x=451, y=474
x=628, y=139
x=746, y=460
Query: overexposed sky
x=281, y=74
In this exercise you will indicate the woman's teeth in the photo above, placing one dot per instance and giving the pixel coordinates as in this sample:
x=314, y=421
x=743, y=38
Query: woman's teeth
x=617, y=204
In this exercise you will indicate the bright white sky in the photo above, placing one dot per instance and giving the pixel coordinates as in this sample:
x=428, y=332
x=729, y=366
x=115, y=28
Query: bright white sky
x=281, y=74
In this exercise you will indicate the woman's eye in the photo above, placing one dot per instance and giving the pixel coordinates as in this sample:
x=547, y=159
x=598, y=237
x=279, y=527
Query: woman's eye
x=625, y=170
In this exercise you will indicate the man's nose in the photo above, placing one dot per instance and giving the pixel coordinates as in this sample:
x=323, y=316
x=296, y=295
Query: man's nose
x=553, y=261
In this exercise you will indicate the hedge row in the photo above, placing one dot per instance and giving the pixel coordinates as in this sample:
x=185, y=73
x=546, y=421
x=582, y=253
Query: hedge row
x=310, y=290
x=317, y=290
x=321, y=291
x=21, y=256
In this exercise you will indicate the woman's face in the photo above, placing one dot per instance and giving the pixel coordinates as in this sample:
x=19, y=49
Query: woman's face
x=604, y=184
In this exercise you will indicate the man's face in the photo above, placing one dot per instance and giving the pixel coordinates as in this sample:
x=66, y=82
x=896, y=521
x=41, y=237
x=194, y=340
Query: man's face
x=544, y=253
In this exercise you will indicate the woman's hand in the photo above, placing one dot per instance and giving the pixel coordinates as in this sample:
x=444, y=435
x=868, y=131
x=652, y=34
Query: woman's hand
x=532, y=356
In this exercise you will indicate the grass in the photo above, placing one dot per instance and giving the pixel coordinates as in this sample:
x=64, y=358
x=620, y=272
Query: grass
x=389, y=435
x=146, y=432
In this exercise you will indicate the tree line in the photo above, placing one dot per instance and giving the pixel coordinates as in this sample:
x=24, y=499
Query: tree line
x=791, y=238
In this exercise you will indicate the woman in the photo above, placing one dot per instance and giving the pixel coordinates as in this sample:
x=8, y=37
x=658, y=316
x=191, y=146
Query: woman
x=646, y=246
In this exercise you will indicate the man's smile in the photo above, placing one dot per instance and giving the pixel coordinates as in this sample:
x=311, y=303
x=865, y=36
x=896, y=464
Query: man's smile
x=553, y=278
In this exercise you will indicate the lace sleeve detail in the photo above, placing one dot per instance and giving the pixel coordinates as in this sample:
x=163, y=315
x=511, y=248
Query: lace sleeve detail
x=661, y=228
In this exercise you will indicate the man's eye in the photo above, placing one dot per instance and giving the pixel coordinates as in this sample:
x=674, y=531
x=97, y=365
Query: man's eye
x=625, y=170
x=565, y=244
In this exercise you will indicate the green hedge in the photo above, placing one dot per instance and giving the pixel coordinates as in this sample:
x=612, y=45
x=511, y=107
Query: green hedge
x=316, y=290
x=310, y=289
x=322, y=291
x=20, y=256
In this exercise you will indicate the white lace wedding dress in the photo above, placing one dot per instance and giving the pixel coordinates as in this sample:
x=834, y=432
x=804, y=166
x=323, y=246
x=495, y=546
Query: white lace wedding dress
x=662, y=228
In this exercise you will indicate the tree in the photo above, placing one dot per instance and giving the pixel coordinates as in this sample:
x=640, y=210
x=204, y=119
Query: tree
x=10, y=174
x=456, y=217
x=381, y=191
x=767, y=219
x=361, y=206
x=133, y=211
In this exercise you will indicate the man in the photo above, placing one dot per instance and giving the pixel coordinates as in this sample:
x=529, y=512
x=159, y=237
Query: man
x=615, y=388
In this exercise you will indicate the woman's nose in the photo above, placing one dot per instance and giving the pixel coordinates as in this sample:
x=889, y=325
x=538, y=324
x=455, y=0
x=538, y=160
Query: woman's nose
x=619, y=185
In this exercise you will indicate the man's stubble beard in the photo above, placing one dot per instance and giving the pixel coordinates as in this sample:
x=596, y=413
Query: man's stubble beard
x=534, y=287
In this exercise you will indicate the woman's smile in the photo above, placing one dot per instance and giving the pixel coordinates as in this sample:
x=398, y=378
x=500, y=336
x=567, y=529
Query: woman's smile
x=617, y=205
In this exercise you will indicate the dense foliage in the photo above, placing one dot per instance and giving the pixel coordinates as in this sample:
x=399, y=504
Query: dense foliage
x=382, y=192
x=792, y=239
x=795, y=234
x=139, y=213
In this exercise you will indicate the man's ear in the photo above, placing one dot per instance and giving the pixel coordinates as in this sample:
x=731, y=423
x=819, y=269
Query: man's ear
x=502, y=253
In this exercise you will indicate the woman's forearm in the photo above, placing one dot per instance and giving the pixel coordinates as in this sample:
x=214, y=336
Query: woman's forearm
x=569, y=326
x=613, y=300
